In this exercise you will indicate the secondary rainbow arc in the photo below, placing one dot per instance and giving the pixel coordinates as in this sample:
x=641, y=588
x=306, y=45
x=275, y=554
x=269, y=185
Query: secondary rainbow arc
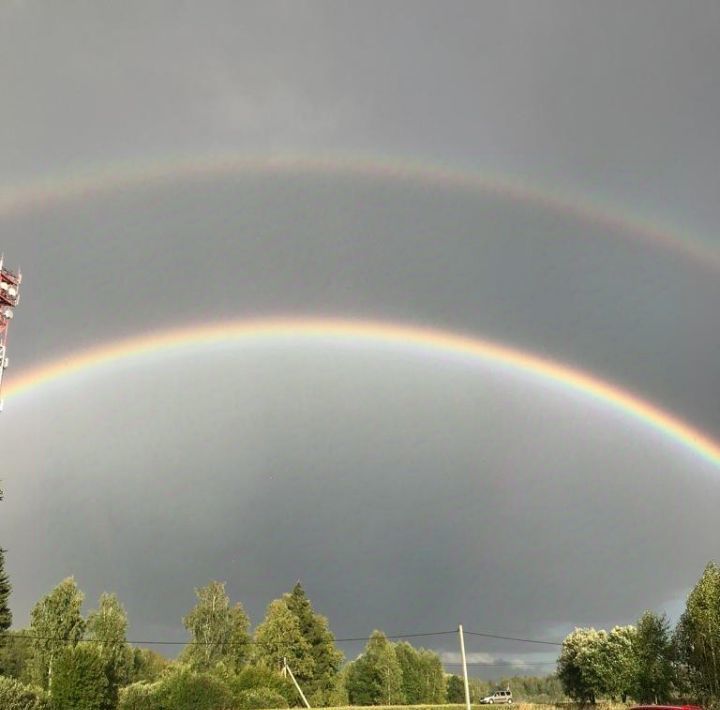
x=43, y=193
x=432, y=340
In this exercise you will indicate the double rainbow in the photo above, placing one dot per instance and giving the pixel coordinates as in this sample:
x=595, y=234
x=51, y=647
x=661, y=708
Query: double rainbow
x=42, y=194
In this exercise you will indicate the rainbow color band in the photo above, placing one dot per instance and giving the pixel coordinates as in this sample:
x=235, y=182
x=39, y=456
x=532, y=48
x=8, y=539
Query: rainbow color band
x=44, y=193
x=370, y=332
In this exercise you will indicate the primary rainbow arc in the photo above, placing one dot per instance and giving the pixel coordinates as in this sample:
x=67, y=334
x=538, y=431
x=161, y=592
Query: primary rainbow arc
x=432, y=340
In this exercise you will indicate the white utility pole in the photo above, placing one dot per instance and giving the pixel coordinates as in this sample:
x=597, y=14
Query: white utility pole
x=464, y=665
x=286, y=667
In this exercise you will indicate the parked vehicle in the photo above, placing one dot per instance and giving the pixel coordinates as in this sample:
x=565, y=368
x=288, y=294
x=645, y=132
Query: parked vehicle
x=498, y=697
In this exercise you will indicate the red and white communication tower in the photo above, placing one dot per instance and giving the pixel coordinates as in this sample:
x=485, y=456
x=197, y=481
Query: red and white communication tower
x=9, y=298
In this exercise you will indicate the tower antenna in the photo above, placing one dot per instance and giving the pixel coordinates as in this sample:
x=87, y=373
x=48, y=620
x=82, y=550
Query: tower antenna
x=9, y=298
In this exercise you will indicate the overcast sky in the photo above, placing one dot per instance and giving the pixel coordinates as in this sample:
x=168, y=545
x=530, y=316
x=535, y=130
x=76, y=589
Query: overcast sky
x=408, y=493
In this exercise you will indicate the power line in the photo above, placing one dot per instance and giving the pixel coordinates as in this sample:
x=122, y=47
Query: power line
x=513, y=638
x=249, y=642
x=507, y=664
x=402, y=636
x=253, y=642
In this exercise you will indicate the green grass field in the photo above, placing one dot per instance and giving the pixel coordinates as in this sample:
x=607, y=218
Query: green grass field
x=514, y=706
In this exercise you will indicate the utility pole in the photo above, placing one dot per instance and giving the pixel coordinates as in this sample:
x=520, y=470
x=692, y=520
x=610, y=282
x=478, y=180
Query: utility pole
x=286, y=667
x=464, y=665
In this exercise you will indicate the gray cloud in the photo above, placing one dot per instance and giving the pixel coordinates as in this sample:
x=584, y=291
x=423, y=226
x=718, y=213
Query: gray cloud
x=615, y=99
x=407, y=494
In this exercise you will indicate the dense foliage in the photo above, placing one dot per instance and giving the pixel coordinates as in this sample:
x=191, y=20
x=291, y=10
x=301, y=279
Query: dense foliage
x=146, y=665
x=258, y=698
x=17, y=696
x=279, y=638
x=78, y=680
x=376, y=677
x=5, y=589
x=642, y=662
x=321, y=683
x=219, y=630
x=697, y=639
x=107, y=627
x=64, y=660
x=55, y=622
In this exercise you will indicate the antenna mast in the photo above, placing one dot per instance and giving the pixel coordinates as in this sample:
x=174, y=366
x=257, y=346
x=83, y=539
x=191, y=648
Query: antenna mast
x=9, y=298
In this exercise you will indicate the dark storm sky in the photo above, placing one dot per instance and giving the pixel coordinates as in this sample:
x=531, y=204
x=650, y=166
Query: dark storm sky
x=407, y=493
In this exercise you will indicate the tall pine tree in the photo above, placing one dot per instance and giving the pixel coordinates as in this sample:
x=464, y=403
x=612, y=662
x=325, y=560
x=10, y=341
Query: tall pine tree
x=277, y=637
x=326, y=658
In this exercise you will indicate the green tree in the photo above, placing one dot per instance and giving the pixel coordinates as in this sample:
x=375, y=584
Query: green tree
x=620, y=664
x=423, y=680
x=326, y=658
x=146, y=665
x=79, y=681
x=581, y=665
x=455, y=689
x=107, y=626
x=238, y=653
x=433, y=678
x=376, y=677
x=55, y=622
x=279, y=636
x=654, y=658
x=411, y=665
x=15, y=655
x=338, y=697
x=697, y=637
x=219, y=631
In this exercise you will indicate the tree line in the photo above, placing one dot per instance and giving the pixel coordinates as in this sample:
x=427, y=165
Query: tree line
x=650, y=662
x=65, y=661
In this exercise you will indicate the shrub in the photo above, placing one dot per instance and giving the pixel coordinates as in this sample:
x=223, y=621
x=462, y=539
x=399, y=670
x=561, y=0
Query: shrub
x=333, y=698
x=252, y=677
x=260, y=698
x=78, y=679
x=139, y=696
x=184, y=689
x=16, y=696
x=260, y=678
